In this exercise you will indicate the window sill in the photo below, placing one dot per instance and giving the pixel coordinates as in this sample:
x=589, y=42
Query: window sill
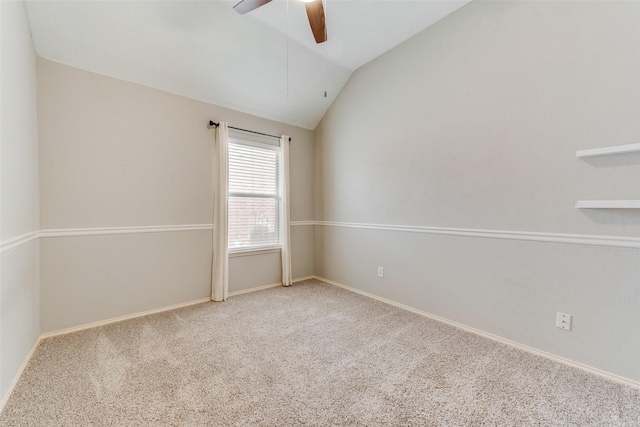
x=252, y=252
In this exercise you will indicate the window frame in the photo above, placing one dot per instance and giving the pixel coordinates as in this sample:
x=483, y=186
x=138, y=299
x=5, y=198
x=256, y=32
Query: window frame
x=262, y=249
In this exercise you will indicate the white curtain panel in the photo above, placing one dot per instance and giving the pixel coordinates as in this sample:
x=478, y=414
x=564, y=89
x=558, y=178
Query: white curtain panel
x=220, y=261
x=287, y=279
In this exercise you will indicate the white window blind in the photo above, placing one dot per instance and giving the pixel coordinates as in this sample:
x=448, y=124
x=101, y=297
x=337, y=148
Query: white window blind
x=254, y=195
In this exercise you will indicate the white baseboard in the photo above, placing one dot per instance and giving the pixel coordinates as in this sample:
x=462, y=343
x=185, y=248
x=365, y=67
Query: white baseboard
x=273, y=285
x=157, y=310
x=121, y=318
x=550, y=356
x=5, y=398
x=257, y=288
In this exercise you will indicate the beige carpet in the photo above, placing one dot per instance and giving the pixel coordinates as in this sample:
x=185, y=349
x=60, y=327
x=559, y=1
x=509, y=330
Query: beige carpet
x=312, y=354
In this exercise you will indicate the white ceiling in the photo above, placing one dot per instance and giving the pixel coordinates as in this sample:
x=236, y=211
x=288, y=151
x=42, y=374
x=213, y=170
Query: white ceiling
x=205, y=50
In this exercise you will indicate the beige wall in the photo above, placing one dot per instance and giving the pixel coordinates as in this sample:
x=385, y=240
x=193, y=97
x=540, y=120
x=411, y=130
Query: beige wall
x=117, y=154
x=19, y=206
x=474, y=124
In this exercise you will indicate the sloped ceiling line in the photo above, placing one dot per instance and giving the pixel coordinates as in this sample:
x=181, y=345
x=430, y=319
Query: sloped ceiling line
x=206, y=51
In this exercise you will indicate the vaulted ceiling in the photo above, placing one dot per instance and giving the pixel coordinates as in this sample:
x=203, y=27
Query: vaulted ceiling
x=255, y=63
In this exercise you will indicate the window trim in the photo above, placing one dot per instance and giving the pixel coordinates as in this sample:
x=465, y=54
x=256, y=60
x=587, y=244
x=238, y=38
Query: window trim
x=252, y=252
x=271, y=248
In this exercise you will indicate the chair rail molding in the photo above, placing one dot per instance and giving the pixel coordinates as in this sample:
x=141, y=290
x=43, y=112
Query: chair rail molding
x=14, y=242
x=576, y=239
x=608, y=151
x=69, y=232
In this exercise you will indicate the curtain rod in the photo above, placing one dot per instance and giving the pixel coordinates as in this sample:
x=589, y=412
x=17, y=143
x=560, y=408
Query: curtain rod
x=212, y=124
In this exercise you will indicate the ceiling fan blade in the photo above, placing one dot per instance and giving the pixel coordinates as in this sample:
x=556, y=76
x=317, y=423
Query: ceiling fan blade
x=315, y=12
x=248, y=5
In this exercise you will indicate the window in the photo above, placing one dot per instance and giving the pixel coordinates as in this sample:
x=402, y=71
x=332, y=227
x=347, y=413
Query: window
x=254, y=195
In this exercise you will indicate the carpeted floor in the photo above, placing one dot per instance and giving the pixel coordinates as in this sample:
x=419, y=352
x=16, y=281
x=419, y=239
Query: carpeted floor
x=311, y=354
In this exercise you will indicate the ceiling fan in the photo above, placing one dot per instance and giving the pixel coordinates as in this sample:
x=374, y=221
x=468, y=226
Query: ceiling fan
x=315, y=12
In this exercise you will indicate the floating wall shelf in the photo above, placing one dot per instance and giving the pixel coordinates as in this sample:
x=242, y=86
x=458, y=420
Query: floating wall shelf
x=608, y=204
x=605, y=151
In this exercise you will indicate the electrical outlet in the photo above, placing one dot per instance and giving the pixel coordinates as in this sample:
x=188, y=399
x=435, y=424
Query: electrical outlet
x=563, y=321
x=380, y=272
